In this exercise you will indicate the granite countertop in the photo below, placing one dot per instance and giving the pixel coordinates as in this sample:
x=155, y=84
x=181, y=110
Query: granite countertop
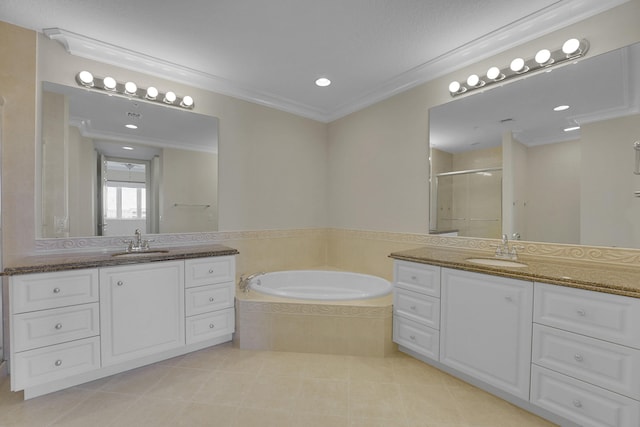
x=61, y=262
x=595, y=276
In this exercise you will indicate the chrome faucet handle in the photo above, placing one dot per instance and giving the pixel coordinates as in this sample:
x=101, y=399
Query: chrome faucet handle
x=505, y=239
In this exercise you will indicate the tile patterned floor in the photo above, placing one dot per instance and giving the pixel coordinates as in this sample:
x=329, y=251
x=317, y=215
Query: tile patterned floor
x=226, y=387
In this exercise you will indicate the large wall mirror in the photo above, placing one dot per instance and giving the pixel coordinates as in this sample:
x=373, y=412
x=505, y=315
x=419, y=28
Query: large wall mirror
x=557, y=185
x=111, y=165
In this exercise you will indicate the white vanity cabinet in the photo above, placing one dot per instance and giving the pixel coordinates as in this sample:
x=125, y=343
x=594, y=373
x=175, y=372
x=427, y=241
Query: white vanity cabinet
x=416, y=307
x=73, y=326
x=54, y=326
x=586, y=356
x=141, y=310
x=210, y=298
x=485, y=328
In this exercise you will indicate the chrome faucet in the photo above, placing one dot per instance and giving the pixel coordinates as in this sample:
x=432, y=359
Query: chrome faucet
x=245, y=281
x=137, y=244
x=506, y=251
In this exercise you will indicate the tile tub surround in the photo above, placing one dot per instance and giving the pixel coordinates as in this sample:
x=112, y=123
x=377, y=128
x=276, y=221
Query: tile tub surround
x=359, y=328
x=619, y=279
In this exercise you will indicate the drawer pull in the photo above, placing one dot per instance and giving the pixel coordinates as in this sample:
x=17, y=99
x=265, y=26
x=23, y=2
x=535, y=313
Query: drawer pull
x=578, y=358
x=58, y=326
x=581, y=312
x=413, y=307
x=211, y=325
x=56, y=290
x=120, y=283
x=211, y=271
x=508, y=299
x=577, y=403
x=211, y=299
x=58, y=362
x=413, y=337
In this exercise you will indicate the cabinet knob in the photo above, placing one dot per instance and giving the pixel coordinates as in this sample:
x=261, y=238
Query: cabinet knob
x=413, y=337
x=211, y=299
x=577, y=403
x=414, y=278
x=578, y=357
x=211, y=271
x=581, y=312
x=211, y=325
x=120, y=283
x=58, y=362
x=413, y=307
x=56, y=290
x=508, y=299
x=58, y=326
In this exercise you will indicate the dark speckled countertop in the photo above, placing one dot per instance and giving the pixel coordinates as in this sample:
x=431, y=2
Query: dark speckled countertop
x=602, y=277
x=61, y=262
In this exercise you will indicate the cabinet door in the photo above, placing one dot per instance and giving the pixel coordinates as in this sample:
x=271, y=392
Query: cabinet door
x=485, y=328
x=141, y=310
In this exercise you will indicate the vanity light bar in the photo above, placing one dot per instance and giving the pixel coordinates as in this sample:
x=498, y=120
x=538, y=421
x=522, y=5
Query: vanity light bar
x=571, y=49
x=130, y=89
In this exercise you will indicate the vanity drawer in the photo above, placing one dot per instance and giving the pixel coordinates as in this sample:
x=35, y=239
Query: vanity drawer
x=416, y=337
x=55, y=362
x=608, y=365
x=417, y=307
x=208, y=271
x=583, y=403
x=421, y=278
x=55, y=326
x=40, y=291
x=203, y=299
x=600, y=315
x=210, y=325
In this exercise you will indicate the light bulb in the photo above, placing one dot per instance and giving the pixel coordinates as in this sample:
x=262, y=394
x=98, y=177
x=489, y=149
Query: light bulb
x=109, y=83
x=186, y=102
x=473, y=80
x=493, y=73
x=323, y=82
x=130, y=88
x=86, y=78
x=571, y=47
x=454, y=87
x=517, y=65
x=543, y=56
x=152, y=93
x=169, y=97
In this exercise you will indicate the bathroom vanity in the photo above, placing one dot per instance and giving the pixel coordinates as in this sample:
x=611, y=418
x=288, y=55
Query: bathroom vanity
x=76, y=320
x=556, y=338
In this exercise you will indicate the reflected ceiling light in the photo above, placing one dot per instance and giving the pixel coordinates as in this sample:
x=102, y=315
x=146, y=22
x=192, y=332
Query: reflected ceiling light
x=543, y=57
x=85, y=78
x=543, y=60
x=109, y=83
x=323, y=82
x=561, y=108
x=572, y=128
x=130, y=89
x=127, y=148
x=130, y=126
x=494, y=74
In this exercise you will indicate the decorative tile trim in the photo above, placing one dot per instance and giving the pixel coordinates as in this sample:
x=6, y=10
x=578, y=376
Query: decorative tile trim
x=327, y=309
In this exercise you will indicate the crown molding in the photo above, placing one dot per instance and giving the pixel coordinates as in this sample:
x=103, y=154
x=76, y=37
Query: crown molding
x=547, y=20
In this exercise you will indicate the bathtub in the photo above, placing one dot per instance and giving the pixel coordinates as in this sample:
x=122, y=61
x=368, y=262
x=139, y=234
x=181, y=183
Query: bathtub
x=316, y=311
x=321, y=285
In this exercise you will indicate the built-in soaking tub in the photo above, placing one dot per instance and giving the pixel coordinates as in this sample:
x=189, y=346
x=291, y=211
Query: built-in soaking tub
x=317, y=311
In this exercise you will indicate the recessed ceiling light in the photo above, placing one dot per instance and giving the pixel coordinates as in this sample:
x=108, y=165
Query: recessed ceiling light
x=127, y=148
x=323, y=82
x=561, y=108
x=572, y=128
x=131, y=126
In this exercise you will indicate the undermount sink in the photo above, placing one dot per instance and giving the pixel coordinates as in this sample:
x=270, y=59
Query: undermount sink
x=140, y=253
x=496, y=262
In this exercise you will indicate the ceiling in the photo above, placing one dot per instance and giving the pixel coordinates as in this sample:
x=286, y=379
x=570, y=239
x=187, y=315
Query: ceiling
x=271, y=52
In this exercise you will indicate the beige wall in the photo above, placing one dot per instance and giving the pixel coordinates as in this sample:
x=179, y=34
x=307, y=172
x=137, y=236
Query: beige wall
x=366, y=171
